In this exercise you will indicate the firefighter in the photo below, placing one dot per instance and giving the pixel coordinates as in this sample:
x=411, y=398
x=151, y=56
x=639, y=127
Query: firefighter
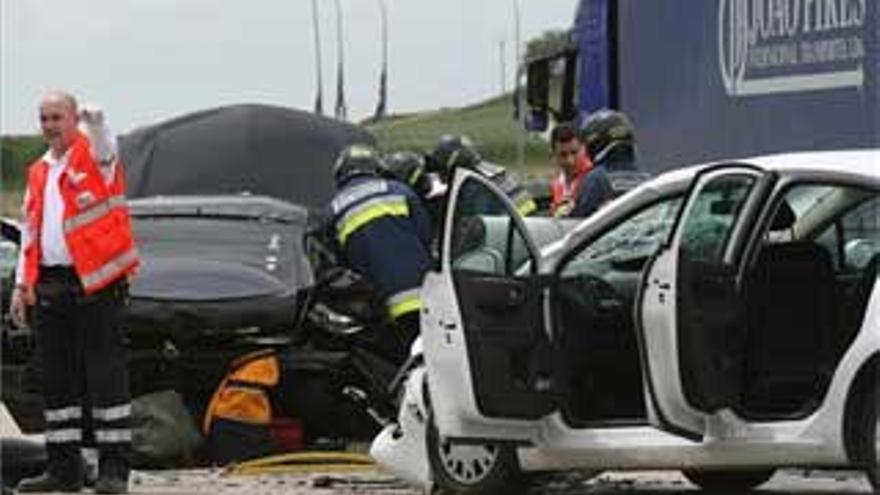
x=458, y=151
x=409, y=167
x=381, y=230
x=609, y=139
x=77, y=254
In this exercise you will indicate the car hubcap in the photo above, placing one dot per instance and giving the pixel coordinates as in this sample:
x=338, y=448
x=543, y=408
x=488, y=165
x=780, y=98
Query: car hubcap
x=468, y=464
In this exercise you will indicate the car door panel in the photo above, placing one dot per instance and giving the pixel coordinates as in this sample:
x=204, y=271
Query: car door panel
x=485, y=343
x=690, y=317
x=506, y=344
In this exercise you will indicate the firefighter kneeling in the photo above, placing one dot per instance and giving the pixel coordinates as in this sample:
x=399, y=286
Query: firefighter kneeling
x=381, y=230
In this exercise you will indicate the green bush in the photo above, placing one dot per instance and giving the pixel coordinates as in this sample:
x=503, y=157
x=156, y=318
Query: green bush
x=16, y=153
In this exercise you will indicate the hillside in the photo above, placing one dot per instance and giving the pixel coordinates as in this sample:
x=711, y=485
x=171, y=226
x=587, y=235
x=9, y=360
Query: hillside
x=490, y=124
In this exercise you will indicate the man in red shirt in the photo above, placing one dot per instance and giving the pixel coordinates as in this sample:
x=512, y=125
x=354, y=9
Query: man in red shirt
x=570, y=158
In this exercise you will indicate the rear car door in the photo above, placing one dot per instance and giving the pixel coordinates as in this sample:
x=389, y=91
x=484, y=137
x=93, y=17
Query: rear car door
x=483, y=329
x=689, y=317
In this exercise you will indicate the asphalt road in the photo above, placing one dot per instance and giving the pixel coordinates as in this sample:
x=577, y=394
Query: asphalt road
x=654, y=483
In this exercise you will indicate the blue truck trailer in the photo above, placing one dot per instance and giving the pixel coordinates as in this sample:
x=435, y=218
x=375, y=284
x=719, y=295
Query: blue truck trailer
x=709, y=79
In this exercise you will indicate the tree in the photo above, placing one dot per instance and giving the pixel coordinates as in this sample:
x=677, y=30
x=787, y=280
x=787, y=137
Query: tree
x=549, y=43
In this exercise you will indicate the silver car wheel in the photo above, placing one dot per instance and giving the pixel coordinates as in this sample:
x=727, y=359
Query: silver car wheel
x=467, y=464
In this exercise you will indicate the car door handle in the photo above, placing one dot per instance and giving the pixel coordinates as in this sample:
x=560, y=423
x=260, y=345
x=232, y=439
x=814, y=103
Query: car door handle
x=662, y=285
x=448, y=324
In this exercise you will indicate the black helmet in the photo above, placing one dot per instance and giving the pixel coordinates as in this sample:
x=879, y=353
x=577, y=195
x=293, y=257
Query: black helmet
x=606, y=129
x=357, y=159
x=409, y=168
x=452, y=151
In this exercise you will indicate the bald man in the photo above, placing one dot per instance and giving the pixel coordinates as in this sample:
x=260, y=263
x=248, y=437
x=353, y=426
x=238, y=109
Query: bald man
x=77, y=255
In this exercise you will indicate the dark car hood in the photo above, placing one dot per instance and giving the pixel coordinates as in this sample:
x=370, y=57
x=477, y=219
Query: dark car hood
x=264, y=150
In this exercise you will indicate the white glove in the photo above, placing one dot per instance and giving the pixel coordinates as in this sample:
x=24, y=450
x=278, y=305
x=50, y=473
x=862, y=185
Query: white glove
x=91, y=116
x=94, y=125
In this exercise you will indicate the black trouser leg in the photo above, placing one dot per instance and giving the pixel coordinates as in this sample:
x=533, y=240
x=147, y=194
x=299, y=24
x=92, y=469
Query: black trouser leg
x=62, y=377
x=405, y=330
x=106, y=365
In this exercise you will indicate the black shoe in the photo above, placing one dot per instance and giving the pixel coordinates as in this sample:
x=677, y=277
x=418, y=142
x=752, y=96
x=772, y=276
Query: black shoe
x=106, y=484
x=47, y=482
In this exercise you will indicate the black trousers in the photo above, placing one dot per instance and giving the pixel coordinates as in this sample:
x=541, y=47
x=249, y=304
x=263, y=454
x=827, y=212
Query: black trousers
x=84, y=371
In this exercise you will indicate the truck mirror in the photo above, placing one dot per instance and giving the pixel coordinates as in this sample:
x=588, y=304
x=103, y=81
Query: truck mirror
x=538, y=84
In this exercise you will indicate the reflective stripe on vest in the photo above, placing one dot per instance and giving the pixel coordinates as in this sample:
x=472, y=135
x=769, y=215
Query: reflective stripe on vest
x=113, y=436
x=93, y=213
x=112, y=413
x=63, y=414
x=525, y=205
x=64, y=435
x=368, y=211
x=109, y=270
x=404, y=302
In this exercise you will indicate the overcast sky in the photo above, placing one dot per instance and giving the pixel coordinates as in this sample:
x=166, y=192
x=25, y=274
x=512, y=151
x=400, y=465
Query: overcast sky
x=148, y=60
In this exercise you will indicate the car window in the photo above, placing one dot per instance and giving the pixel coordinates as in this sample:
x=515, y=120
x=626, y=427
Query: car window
x=712, y=217
x=485, y=238
x=854, y=238
x=627, y=245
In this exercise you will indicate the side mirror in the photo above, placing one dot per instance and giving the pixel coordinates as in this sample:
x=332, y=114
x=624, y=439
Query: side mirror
x=538, y=84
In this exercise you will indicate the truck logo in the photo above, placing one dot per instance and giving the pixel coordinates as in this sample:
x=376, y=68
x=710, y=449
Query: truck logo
x=789, y=46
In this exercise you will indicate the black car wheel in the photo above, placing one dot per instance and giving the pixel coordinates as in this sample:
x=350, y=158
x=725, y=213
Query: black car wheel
x=864, y=431
x=728, y=480
x=472, y=468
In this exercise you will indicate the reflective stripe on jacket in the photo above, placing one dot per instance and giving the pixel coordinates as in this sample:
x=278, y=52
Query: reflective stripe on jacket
x=383, y=232
x=97, y=226
x=514, y=190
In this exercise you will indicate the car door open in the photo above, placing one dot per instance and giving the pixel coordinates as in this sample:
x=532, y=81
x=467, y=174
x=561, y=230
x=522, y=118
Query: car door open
x=486, y=347
x=689, y=317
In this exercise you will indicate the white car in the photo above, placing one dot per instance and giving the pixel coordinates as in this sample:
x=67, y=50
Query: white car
x=720, y=320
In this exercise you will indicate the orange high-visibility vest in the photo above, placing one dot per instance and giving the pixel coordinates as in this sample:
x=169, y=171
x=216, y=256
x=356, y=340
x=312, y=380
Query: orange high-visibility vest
x=563, y=194
x=97, y=227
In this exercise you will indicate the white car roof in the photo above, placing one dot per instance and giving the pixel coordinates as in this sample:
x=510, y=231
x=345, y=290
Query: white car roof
x=864, y=162
x=846, y=163
x=859, y=162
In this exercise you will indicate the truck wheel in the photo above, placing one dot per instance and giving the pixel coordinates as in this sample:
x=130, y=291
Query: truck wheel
x=467, y=469
x=728, y=481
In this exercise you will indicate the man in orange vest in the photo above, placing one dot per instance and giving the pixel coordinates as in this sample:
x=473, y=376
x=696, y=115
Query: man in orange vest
x=569, y=156
x=77, y=254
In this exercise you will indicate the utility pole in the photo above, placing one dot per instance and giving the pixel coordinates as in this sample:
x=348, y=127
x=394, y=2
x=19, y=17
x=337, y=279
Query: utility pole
x=319, y=94
x=382, y=105
x=520, y=66
x=502, y=59
x=341, y=110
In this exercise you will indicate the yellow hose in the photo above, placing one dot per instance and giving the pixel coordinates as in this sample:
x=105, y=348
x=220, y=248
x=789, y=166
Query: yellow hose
x=303, y=462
